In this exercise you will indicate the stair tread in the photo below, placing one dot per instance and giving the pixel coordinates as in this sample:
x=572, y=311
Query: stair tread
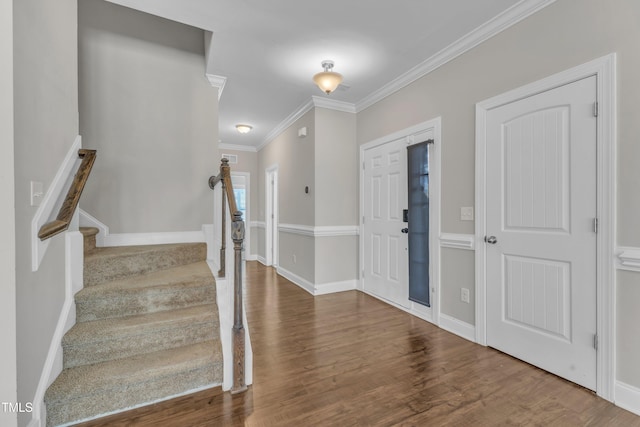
x=105, y=329
x=194, y=274
x=117, y=374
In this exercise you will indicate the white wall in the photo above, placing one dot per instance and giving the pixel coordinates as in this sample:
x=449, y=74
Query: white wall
x=8, y=385
x=45, y=126
x=560, y=36
x=148, y=109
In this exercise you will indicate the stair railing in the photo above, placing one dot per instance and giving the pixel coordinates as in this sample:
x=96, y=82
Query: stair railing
x=237, y=235
x=70, y=203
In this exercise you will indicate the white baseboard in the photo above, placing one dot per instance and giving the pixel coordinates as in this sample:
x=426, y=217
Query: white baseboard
x=261, y=260
x=627, y=397
x=296, y=280
x=320, y=289
x=162, y=238
x=74, y=259
x=252, y=257
x=333, y=287
x=104, y=238
x=458, y=327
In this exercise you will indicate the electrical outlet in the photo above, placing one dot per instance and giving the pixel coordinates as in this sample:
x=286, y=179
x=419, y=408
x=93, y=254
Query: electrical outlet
x=464, y=295
x=294, y=259
x=466, y=213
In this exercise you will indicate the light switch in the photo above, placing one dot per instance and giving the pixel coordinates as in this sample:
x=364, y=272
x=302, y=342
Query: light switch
x=36, y=193
x=466, y=213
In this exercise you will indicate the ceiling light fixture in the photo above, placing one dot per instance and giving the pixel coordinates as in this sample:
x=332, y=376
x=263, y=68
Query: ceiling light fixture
x=327, y=80
x=244, y=128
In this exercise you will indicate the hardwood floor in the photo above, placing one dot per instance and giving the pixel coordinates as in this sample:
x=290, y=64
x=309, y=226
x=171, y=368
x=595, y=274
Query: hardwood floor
x=348, y=359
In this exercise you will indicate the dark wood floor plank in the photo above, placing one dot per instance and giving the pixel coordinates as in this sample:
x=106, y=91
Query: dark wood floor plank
x=348, y=359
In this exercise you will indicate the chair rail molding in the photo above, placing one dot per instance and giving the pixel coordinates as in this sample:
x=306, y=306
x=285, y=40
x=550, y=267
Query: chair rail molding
x=457, y=241
x=628, y=258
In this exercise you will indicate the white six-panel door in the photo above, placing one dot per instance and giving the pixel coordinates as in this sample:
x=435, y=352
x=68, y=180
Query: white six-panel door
x=540, y=212
x=385, y=246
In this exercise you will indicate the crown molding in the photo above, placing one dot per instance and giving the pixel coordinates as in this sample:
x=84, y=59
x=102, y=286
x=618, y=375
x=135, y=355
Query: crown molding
x=291, y=119
x=332, y=104
x=237, y=147
x=217, y=82
x=506, y=19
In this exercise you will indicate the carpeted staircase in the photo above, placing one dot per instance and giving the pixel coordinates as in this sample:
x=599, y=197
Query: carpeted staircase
x=147, y=329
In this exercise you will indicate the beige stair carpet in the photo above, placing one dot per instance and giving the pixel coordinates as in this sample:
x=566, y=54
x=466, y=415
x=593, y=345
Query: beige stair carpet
x=147, y=329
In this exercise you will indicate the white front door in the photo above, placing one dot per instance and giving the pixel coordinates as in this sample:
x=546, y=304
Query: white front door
x=540, y=213
x=386, y=268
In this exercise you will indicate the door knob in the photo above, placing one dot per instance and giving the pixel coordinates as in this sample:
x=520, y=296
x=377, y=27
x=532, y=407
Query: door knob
x=405, y=230
x=491, y=240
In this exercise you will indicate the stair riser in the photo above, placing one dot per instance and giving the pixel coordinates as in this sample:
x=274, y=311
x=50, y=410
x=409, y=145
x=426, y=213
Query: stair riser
x=128, y=344
x=144, y=301
x=104, y=269
x=117, y=399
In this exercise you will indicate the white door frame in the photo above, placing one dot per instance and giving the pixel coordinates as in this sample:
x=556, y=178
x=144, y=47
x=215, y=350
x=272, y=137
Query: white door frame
x=271, y=222
x=247, y=222
x=414, y=135
x=605, y=71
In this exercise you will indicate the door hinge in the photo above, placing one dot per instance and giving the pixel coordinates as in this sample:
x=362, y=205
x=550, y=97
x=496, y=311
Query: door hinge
x=595, y=225
x=595, y=109
x=595, y=341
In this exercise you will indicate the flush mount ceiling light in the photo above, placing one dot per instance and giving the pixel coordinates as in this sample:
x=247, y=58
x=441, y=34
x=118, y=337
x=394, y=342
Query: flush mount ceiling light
x=327, y=80
x=244, y=128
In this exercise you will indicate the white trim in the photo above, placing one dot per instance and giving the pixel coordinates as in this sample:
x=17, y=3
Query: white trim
x=272, y=213
x=296, y=280
x=628, y=258
x=320, y=231
x=288, y=121
x=627, y=397
x=332, y=104
x=237, y=147
x=218, y=82
x=258, y=224
x=458, y=327
x=247, y=188
x=50, y=201
x=261, y=260
x=251, y=257
x=139, y=239
x=414, y=309
x=605, y=70
x=314, y=102
x=86, y=220
x=317, y=289
x=53, y=365
x=457, y=241
x=414, y=134
x=506, y=19
x=334, y=287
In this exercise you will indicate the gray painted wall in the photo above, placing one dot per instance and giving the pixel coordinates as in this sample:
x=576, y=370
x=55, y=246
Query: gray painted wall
x=45, y=126
x=148, y=109
x=562, y=35
x=295, y=158
x=8, y=385
x=336, y=176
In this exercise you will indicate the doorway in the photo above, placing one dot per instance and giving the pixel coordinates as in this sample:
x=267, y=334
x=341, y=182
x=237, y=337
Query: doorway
x=271, y=216
x=544, y=230
x=385, y=236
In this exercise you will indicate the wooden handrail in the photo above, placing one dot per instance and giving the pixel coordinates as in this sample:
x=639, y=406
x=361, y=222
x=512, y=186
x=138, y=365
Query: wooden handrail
x=237, y=235
x=62, y=221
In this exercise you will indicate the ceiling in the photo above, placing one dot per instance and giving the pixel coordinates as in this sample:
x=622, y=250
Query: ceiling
x=268, y=51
